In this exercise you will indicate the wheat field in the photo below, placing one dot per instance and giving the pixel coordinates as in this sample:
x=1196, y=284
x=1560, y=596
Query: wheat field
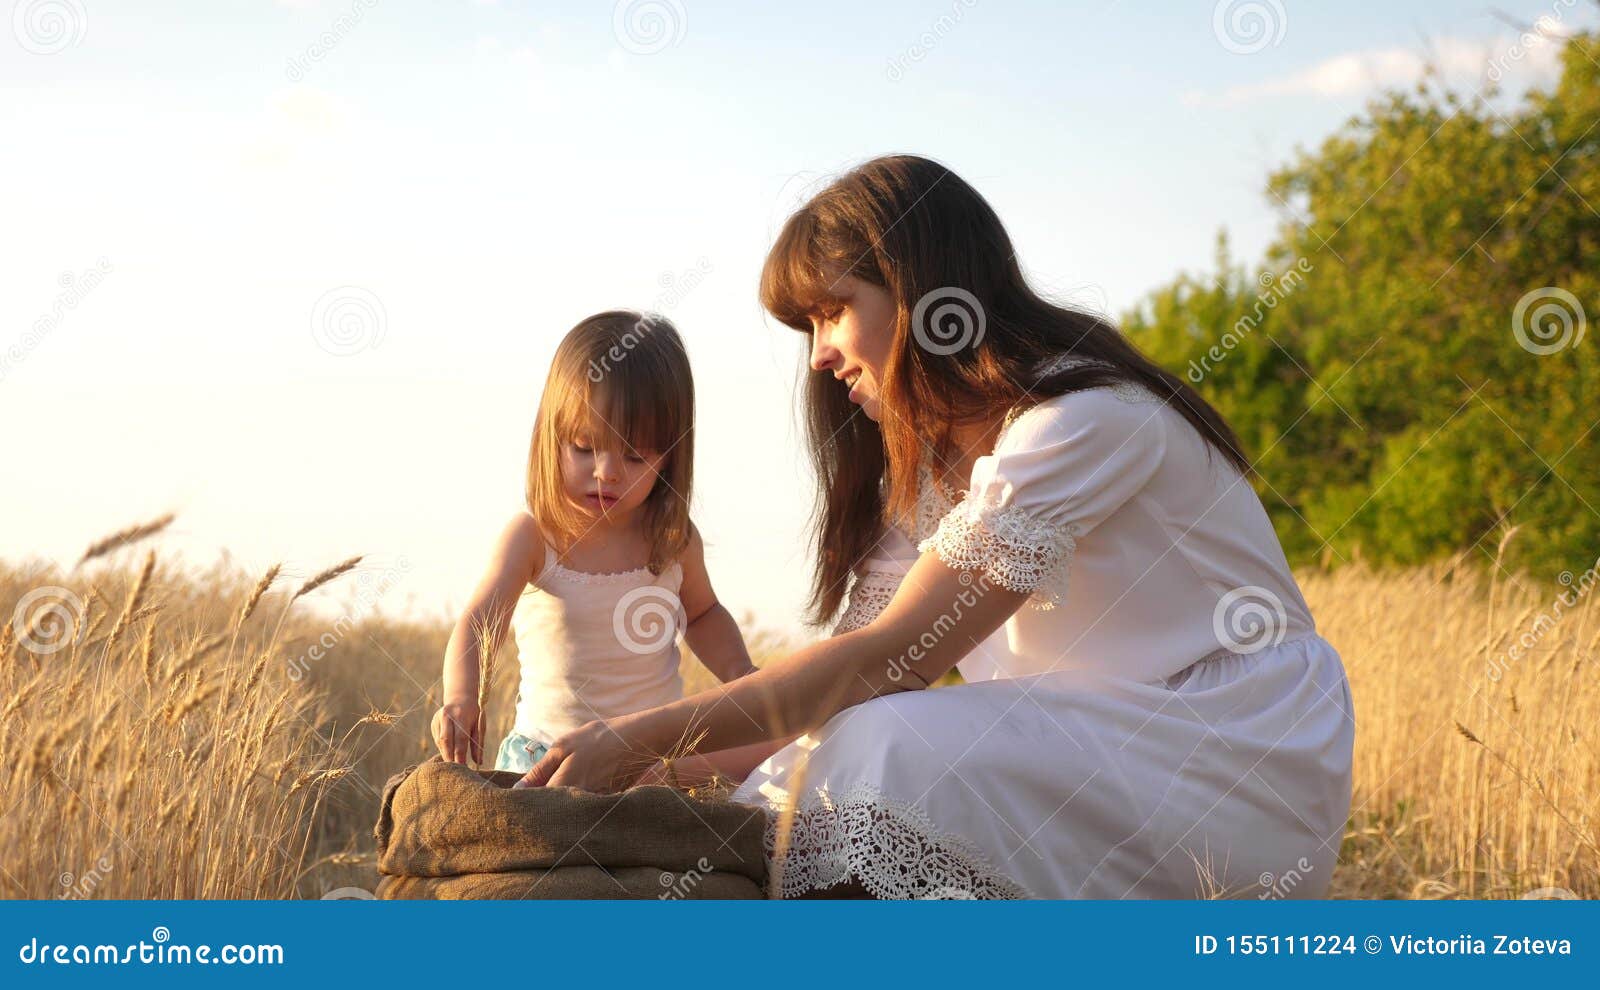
x=171, y=734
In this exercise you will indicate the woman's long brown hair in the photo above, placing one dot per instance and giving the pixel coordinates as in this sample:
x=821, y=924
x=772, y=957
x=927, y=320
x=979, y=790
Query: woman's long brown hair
x=972, y=353
x=622, y=378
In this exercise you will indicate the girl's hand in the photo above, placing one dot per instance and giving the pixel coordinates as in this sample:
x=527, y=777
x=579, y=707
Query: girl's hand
x=458, y=732
x=592, y=757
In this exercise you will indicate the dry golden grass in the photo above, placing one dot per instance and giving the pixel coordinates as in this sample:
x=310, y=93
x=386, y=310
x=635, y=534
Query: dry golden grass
x=1476, y=767
x=219, y=735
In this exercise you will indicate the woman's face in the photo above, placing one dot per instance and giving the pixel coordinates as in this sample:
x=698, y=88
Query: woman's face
x=852, y=340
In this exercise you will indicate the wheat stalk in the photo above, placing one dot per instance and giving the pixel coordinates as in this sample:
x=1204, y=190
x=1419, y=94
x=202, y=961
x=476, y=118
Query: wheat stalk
x=134, y=596
x=318, y=580
x=255, y=594
x=125, y=537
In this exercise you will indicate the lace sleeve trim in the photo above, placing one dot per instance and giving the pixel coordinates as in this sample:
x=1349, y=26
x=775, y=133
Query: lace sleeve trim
x=1010, y=548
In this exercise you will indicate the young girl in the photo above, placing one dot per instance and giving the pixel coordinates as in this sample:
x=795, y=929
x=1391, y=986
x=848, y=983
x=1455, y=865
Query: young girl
x=604, y=568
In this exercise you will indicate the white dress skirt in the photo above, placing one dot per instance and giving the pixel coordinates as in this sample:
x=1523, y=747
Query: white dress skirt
x=1160, y=719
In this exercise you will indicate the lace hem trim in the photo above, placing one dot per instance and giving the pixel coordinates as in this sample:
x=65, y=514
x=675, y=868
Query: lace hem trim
x=556, y=568
x=890, y=847
x=1009, y=547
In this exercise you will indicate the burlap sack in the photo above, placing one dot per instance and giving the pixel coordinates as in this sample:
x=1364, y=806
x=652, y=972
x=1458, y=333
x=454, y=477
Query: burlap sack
x=573, y=883
x=446, y=820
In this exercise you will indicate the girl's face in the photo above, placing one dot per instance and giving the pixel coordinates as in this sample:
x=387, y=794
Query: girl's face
x=608, y=484
x=852, y=339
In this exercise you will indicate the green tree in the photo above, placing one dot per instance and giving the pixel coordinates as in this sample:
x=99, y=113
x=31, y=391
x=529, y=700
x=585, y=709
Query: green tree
x=1410, y=363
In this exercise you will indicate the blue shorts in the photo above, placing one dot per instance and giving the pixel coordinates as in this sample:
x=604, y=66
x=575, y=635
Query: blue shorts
x=519, y=753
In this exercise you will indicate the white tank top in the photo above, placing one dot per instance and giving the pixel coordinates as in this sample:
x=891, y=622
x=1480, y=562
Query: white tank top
x=595, y=646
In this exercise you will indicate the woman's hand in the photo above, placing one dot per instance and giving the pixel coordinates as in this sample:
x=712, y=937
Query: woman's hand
x=592, y=757
x=458, y=732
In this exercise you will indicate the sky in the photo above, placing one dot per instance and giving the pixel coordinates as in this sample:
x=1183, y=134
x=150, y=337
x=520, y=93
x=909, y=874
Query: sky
x=295, y=269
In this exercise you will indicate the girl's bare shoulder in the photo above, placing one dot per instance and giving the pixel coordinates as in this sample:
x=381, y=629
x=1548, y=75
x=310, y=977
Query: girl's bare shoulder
x=521, y=546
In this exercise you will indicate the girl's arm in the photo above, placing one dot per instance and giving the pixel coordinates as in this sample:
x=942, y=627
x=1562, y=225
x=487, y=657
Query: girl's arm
x=938, y=615
x=517, y=556
x=711, y=632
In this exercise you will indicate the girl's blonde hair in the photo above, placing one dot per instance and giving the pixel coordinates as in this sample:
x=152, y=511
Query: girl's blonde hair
x=621, y=378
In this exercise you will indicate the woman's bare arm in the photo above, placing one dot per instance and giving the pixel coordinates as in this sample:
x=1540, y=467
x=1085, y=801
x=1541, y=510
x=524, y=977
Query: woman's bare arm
x=938, y=615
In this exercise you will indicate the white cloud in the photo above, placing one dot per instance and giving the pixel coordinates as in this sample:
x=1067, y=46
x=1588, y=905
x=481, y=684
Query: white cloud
x=1530, y=58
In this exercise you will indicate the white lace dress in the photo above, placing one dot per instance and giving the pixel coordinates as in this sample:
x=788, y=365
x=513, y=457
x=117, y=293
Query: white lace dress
x=1160, y=719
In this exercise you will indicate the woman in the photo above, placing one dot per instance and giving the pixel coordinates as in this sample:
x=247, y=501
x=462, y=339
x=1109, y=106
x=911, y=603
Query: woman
x=1013, y=490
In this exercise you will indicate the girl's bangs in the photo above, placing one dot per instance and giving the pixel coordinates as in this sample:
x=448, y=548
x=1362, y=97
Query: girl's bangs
x=622, y=415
